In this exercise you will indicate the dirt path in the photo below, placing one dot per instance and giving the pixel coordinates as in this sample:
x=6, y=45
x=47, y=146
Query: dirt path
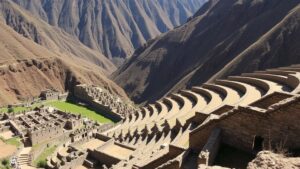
x=6, y=150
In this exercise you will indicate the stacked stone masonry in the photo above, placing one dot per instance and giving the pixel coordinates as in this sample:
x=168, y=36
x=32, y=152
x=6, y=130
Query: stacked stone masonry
x=104, y=101
x=238, y=106
x=237, y=111
x=40, y=125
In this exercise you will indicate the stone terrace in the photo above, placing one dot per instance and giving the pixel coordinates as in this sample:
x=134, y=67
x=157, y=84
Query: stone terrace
x=186, y=129
x=161, y=132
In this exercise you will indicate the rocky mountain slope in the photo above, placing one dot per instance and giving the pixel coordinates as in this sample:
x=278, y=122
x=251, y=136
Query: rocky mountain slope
x=27, y=68
x=113, y=27
x=50, y=37
x=223, y=38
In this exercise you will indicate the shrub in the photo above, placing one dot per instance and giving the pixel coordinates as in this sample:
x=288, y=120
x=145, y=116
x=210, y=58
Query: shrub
x=10, y=110
x=42, y=164
x=5, y=162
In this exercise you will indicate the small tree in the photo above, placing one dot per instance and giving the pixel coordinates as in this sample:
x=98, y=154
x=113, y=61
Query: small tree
x=5, y=163
x=42, y=164
x=10, y=109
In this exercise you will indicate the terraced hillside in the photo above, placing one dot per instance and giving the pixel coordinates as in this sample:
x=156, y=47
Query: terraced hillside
x=223, y=38
x=170, y=120
x=187, y=129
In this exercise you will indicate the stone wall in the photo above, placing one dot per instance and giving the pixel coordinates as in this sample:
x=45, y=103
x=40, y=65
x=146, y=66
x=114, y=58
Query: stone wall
x=252, y=81
x=59, y=141
x=63, y=96
x=268, y=100
x=234, y=85
x=15, y=128
x=222, y=110
x=78, y=161
x=106, y=159
x=81, y=94
x=240, y=126
x=176, y=163
x=49, y=95
x=105, y=111
x=108, y=126
x=102, y=137
x=211, y=148
x=173, y=152
x=42, y=135
x=172, y=164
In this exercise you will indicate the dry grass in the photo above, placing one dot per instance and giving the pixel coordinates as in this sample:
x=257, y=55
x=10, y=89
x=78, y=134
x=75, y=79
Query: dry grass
x=278, y=148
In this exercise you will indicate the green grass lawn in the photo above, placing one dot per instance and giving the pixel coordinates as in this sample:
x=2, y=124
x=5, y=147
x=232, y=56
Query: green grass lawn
x=15, y=109
x=20, y=109
x=46, y=153
x=68, y=107
x=15, y=141
x=78, y=109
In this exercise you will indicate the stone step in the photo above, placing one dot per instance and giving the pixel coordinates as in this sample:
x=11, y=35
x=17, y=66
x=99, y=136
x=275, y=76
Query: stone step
x=25, y=155
x=21, y=160
x=23, y=163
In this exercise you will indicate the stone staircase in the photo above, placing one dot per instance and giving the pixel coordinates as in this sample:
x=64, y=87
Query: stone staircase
x=23, y=159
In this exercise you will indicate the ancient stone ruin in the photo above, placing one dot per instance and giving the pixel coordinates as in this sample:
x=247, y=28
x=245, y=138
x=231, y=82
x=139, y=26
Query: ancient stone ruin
x=41, y=124
x=249, y=113
x=104, y=101
x=51, y=94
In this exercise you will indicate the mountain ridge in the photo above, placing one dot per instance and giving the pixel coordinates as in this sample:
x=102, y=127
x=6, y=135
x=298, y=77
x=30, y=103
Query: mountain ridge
x=50, y=37
x=115, y=28
x=27, y=68
x=196, y=51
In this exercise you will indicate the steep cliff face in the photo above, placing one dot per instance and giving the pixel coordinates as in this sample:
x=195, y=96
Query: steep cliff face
x=113, y=27
x=27, y=68
x=223, y=38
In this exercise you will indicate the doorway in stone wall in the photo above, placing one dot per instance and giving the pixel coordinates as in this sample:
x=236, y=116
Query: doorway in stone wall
x=227, y=157
x=258, y=144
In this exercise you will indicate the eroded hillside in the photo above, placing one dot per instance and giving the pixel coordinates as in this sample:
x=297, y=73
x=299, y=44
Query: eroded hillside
x=50, y=37
x=113, y=27
x=27, y=68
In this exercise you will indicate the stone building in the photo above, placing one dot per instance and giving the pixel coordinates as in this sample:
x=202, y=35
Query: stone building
x=104, y=101
x=49, y=95
x=265, y=124
x=42, y=124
